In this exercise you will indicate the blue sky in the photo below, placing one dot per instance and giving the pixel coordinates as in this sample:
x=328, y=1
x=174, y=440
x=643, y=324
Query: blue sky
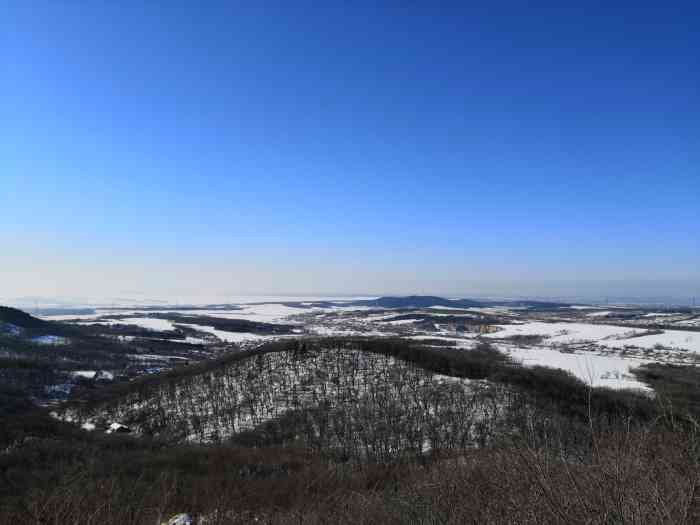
x=292, y=148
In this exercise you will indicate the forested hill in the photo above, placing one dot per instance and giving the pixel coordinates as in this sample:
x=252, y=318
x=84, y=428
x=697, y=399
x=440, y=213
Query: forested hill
x=29, y=323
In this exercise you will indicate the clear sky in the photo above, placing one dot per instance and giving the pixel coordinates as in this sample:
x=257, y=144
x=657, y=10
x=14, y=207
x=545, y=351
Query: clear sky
x=174, y=148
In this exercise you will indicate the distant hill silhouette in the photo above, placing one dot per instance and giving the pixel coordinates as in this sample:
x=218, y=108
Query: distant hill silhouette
x=425, y=301
x=29, y=323
x=418, y=301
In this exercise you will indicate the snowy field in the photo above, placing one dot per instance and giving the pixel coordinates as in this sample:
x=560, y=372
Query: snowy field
x=228, y=337
x=593, y=369
x=268, y=313
x=602, y=335
x=159, y=325
x=609, y=352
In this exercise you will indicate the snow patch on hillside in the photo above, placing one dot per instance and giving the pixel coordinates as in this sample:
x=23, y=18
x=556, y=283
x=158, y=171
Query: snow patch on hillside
x=49, y=340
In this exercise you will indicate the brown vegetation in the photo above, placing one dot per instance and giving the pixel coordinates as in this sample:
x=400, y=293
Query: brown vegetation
x=564, y=454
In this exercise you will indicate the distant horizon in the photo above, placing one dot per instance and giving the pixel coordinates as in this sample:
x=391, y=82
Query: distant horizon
x=33, y=302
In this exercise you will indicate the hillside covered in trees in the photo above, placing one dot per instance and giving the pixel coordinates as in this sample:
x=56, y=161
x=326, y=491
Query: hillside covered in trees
x=357, y=430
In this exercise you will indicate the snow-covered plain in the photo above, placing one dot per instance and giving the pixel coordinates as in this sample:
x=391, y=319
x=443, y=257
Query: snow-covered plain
x=674, y=339
x=228, y=337
x=593, y=369
x=268, y=313
x=563, y=332
x=603, y=335
x=601, y=355
x=150, y=323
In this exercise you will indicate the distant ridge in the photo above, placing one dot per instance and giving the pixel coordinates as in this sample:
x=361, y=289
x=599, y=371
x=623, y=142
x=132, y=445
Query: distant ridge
x=418, y=301
x=425, y=301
